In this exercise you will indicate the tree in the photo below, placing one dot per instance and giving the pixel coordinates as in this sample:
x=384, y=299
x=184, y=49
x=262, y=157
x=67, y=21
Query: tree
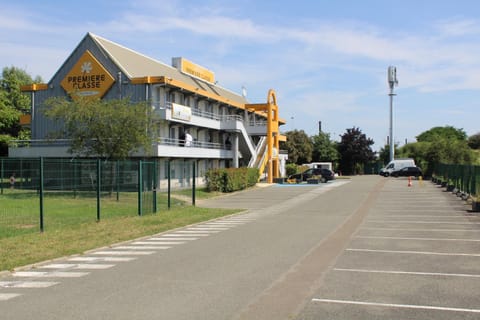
x=355, y=150
x=112, y=129
x=384, y=153
x=299, y=147
x=13, y=103
x=324, y=149
x=439, y=145
x=447, y=132
x=474, y=141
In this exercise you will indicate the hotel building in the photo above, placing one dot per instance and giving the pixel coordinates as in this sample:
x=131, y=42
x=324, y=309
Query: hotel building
x=224, y=129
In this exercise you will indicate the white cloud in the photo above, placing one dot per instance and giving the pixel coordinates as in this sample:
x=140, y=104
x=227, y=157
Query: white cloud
x=429, y=60
x=457, y=27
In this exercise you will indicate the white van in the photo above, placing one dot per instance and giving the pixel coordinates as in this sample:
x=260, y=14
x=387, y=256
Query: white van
x=396, y=165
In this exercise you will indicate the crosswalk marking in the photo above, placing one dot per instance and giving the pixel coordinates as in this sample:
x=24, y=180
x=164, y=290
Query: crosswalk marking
x=124, y=252
x=121, y=253
x=194, y=233
x=77, y=266
x=156, y=242
x=175, y=237
x=8, y=296
x=43, y=274
x=142, y=247
x=225, y=223
x=208, y=228
x=105, y=259
x=27, y=284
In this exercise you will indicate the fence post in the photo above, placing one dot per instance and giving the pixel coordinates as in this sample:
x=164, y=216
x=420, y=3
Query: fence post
x=40, y=189
x=1, y=177
x=473, y=190
x=140, y=184
x=117, y=178
x=168, y=184
x=98, y=188
x=193, y=183
x=155, y=184
x=74, y=178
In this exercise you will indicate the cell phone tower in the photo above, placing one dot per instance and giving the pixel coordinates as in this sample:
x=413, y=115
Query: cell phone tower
x=392, y=82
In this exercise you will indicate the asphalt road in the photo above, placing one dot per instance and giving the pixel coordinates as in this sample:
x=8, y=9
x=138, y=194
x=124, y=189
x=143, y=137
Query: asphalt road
x=351, y=249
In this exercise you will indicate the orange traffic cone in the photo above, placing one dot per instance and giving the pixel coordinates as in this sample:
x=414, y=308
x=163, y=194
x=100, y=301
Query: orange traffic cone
x=409, y=181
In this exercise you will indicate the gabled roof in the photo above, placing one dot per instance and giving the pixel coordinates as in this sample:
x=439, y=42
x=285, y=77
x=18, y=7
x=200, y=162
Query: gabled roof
x=137, y=65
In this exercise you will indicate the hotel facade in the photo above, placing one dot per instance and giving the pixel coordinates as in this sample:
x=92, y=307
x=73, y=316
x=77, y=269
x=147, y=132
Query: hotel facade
x=223, y=129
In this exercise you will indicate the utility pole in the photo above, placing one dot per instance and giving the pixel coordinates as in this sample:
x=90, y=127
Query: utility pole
x=392, y=82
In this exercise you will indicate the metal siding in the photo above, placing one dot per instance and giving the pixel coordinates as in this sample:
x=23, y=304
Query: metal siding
x=42, y=126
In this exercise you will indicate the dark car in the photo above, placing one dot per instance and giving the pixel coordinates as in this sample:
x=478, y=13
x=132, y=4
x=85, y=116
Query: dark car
x=325, y=174
x=407, y=172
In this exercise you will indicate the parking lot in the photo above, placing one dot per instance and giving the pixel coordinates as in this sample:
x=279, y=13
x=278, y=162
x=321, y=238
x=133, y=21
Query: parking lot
x=362, y=248
x=415, y=256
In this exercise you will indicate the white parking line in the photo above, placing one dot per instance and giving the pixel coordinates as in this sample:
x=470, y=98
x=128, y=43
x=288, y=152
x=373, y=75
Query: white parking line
x=415, y=216
x=8, y=296
x=423, y=209
x=27, y=284
x=417, y=239
x=423, y=230
x=393, y=305
x=422, y=222
x=417, y=252
x=411, y=273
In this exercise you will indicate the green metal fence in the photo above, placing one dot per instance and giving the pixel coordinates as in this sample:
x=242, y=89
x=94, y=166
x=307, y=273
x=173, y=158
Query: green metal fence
x=464, y=178
x=41, y=193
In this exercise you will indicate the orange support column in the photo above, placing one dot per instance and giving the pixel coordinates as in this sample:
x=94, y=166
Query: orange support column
x=273, y=135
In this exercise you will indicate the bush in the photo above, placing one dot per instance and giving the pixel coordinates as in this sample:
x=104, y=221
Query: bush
x=291, y=168
x=232, y=179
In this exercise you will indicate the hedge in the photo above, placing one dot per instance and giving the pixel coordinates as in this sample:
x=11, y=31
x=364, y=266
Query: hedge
x=231, y=179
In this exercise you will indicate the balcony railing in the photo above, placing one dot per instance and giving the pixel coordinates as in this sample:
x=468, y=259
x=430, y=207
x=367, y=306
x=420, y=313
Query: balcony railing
x=193, y=144
x=199, y=113
x=160, y=141
x=39, y=143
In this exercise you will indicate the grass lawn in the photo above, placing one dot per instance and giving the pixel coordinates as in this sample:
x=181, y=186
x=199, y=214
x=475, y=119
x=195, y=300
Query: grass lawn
x=71, y=227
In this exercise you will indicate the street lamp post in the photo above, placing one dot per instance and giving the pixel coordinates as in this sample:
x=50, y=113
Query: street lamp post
x=392, y=82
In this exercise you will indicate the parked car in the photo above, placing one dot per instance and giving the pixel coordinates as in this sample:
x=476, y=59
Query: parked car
x=325, y=174
x=407, y=172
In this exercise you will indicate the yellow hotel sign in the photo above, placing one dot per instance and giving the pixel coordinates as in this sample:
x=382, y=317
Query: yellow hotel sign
x=87, y=78
x=196, y=70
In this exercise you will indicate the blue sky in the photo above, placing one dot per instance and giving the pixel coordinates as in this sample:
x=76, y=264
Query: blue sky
x=326, y=60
